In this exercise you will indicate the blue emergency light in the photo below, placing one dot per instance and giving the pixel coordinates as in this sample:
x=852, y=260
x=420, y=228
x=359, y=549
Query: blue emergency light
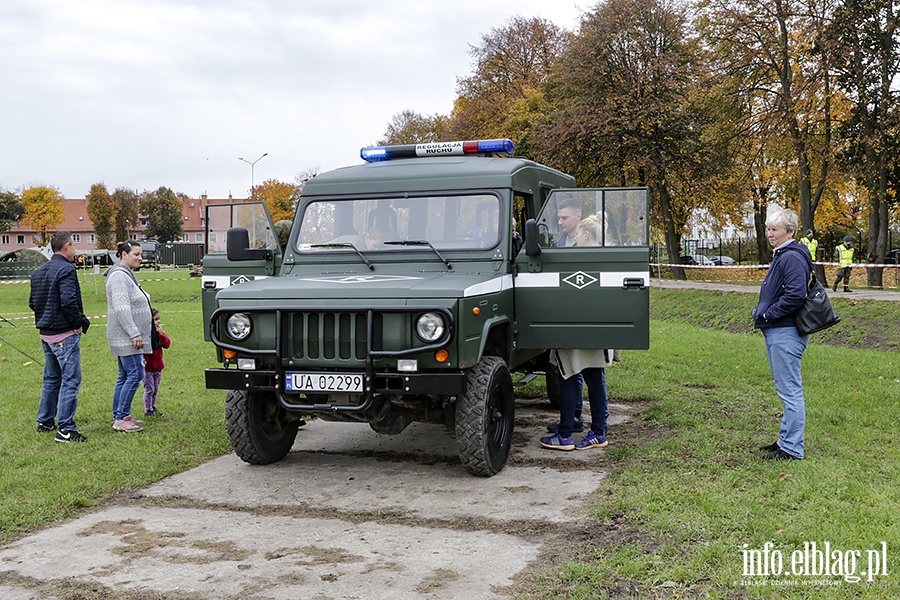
x=377, y=153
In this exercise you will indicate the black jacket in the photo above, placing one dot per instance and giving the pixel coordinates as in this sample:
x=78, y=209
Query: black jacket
x=56, y=298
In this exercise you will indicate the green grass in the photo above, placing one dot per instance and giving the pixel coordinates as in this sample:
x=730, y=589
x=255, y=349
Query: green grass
x=42, y=481
x=680, y=504
x=681, y=500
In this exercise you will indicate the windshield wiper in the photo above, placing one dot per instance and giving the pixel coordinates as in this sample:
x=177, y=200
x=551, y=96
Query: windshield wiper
x=420, y=243
x=345, y=245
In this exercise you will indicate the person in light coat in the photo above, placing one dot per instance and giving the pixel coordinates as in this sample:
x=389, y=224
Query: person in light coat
x=127, y=331
x=591, y=366
x=576, y=366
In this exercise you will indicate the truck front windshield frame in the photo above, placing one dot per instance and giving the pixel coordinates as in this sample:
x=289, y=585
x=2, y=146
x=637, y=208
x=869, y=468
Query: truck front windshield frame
x=449, y=222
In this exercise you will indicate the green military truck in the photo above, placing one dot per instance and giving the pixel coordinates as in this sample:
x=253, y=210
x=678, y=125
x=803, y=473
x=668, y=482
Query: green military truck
x=404, y=293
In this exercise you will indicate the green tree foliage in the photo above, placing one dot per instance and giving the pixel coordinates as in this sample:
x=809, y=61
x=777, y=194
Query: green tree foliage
x=635, y=107
x=43, y=211
x=409, y=127
x=775, y=49
x=280, y=197
x=127, y=203
x=11, y=210
x=864, y=35
x=511, y=65
x=101, y=209
x=164, y=212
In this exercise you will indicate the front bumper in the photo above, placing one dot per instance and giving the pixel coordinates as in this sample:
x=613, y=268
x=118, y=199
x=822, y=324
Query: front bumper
x=403, y=384
x=377, y=381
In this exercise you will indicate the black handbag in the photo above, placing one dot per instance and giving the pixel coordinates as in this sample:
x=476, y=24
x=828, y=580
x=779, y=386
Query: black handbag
x=816, y=313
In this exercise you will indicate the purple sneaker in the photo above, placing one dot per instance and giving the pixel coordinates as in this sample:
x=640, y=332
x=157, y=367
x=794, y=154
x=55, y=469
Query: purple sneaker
x=592, y=440
x=557, y=442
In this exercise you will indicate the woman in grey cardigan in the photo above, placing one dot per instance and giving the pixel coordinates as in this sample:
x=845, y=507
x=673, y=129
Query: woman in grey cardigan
x=127, y=331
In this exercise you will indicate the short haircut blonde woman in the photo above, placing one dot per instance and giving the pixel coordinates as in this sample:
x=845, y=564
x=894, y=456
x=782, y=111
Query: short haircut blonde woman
x=787, y=219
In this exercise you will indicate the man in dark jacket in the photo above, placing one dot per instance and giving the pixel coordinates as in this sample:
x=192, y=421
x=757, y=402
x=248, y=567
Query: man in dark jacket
x=59, y=316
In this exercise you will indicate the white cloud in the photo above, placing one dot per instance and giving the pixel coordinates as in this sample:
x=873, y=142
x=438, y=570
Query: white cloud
x=147, y=93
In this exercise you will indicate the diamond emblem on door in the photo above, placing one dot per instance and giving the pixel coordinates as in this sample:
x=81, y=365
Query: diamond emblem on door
x=580, y=279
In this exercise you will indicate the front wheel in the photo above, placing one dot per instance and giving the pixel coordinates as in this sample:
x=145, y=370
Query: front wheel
x=485, y=416
x=260, y=429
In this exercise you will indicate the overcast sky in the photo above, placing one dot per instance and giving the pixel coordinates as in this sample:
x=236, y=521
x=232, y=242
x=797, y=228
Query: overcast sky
x=149, y=93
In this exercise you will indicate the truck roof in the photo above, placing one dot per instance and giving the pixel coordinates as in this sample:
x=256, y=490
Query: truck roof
x=436, y=174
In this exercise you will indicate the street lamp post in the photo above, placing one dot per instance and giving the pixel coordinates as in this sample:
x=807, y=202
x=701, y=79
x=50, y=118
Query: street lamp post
x=252, y=179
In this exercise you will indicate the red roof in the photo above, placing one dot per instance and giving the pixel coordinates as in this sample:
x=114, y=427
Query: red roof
x=77, y=221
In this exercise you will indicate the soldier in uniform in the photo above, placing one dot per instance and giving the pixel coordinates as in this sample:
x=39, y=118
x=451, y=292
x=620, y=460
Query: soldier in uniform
x=844, y=255
x=810, y=242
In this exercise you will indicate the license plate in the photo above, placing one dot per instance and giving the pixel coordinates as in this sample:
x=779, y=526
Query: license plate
x=325, y=383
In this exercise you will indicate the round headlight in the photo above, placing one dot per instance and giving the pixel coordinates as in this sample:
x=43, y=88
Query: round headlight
x=238, y=326
x=430, y=327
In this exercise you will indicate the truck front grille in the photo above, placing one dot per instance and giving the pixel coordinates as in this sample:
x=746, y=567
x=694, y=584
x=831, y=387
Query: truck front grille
x=331, y=336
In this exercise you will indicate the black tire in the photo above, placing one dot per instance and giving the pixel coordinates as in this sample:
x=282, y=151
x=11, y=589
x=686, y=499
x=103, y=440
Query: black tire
x=260, y=429
x=551, y=378
x=485, y=416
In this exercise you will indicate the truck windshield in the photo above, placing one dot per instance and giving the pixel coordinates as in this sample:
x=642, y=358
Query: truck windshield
x=464, y=222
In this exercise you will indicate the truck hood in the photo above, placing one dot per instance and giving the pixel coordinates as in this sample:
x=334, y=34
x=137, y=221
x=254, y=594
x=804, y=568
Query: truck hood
x=350, y=287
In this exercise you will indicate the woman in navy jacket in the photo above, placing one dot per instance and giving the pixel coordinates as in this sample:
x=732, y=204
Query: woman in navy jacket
x=782, y=294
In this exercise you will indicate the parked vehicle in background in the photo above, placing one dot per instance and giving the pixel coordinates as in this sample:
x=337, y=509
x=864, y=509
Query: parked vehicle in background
x=722, y=261
x=696, y=259
x=150, y=254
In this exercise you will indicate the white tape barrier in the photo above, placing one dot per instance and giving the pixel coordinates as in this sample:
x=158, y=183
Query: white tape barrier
x=29, y=281
x=826, y=264
x=31, y=318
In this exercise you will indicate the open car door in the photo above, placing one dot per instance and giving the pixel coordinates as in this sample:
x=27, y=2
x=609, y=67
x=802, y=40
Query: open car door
x=219, y=271
x=570, y=293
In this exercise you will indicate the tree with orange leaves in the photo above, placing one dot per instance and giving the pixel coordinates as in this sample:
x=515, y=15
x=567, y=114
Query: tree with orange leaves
x=44, y=210
x=280, y=197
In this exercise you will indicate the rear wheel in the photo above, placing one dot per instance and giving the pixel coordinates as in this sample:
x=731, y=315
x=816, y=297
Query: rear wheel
x=485, y=416
x=260, y=429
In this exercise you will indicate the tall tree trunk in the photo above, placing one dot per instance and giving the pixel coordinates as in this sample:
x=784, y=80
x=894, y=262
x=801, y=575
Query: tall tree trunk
x=760, y=205
x=673, y=240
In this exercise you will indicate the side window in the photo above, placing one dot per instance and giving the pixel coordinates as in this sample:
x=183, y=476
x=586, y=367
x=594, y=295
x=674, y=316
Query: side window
x=595, y=217
x=522, y=205
x=251, y=216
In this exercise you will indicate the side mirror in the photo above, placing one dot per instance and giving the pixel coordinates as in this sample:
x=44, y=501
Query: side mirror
x=532, y=247
x=238, y=247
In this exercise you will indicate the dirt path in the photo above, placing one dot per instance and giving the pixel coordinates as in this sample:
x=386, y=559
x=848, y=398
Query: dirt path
x=348, y=514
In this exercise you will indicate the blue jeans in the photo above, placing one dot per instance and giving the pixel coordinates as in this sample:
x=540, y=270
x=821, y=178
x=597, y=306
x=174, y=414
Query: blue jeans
x=131, y=374
x=785, y=347
x=62, y=378
x=571, y=399
x=595, y=378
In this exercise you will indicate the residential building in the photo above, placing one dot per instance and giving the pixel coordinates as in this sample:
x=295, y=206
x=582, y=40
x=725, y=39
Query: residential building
x=78, y=222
